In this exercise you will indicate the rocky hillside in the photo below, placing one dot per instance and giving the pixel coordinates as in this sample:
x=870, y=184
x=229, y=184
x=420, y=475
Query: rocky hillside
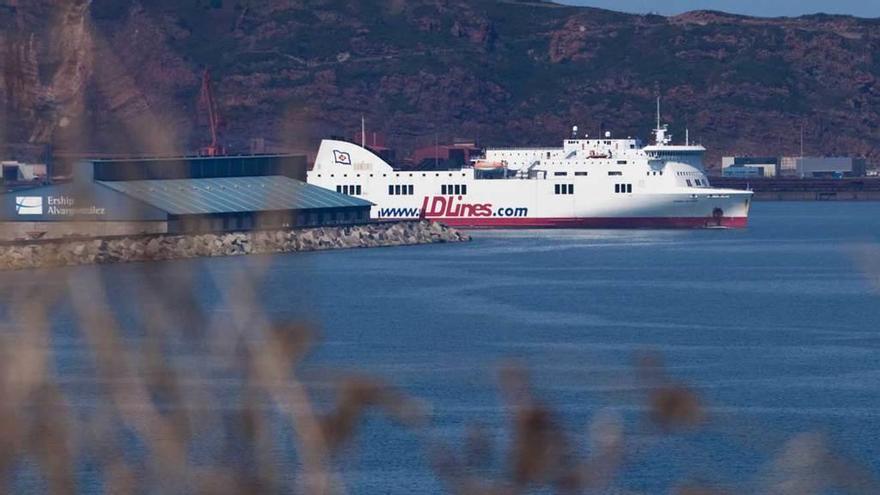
x=124, y=75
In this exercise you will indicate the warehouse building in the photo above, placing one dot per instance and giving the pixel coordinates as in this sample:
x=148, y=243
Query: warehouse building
x=200, y=194
x=749, y=166
x=822, y=167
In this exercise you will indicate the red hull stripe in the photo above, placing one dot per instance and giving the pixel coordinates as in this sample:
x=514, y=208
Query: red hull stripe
x=597, y=223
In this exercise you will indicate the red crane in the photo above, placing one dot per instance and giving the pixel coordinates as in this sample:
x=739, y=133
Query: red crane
x=207, y=98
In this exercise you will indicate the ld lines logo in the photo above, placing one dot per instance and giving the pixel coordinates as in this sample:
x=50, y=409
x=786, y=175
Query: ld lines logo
x=29, y=205
x=446, y=207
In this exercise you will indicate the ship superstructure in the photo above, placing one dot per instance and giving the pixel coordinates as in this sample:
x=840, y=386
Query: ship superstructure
x=600, y=183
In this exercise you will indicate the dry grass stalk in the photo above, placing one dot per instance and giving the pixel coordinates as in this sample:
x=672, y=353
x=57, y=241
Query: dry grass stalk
x=157, y=402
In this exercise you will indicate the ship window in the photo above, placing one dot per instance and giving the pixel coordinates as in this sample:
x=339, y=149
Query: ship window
x=615, y=173
x=571, y=189
x=617, y=188
x=339, y=189
x=699, y=182
x=689, y=183
x=621, y=162
x=464, y=188
x=390, y=190
x=581, y=173
x=629, y=188
x=410, y=189
x=548, y=155
x=556, y=189
x=457, y=189
x=443, y=189
x=357, y=190
x=560, y=174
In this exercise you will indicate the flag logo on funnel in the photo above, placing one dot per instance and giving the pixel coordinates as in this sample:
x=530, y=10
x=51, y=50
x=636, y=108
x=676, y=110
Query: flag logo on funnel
x=341, y=157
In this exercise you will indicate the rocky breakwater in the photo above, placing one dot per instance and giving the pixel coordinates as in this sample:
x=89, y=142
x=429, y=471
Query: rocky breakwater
x=168, y=247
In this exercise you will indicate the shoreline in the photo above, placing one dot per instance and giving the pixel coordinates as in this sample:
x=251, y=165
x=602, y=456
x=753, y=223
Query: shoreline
x=855, y=189
x=19, y=255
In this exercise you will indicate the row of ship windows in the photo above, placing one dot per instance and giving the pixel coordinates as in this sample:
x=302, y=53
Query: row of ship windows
x=400, y=189
x=453, y=189
x=579, y=173
x=396, y=174
x=450, y=189
x=350, y=190
x=409, y=189
x=563, y=189
x=699, y=183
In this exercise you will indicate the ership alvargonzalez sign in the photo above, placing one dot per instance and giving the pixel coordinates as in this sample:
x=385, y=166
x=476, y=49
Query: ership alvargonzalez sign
x=54, y=206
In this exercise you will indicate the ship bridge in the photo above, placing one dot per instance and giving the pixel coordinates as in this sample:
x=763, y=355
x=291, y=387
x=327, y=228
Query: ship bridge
x=684, y=154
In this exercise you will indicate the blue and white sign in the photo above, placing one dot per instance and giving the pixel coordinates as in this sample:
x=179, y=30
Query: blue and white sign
x=29, y=205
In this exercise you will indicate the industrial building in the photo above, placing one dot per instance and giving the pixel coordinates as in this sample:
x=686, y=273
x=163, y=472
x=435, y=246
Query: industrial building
x=822, y=167
x=446, y=156
x=748, y=167
x=196, y=194
x=14, y=172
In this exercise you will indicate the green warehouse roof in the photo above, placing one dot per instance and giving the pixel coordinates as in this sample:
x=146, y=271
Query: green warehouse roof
x=232, y=195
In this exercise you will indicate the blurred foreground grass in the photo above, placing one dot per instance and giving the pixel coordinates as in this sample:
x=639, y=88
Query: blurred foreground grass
x=156, y=422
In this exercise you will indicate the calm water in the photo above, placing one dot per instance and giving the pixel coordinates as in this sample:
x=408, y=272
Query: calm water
x=776, y=326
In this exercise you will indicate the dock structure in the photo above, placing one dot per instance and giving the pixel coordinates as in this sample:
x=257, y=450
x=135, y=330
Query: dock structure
x=796, y=189
x=177, y=195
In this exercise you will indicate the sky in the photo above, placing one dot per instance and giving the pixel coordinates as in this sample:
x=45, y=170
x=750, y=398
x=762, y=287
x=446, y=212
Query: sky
x=762, y=8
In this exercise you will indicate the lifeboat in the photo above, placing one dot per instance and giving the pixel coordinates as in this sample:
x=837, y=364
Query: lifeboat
x=487, y=165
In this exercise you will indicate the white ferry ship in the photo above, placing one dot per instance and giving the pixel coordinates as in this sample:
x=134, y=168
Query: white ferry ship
x=587, y=183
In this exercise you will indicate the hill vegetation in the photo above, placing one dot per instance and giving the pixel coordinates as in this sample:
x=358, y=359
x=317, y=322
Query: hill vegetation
x=505, y=72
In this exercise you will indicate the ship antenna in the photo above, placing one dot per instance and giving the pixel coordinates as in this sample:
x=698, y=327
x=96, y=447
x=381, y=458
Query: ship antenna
x=363, y=132
x=658, y=112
